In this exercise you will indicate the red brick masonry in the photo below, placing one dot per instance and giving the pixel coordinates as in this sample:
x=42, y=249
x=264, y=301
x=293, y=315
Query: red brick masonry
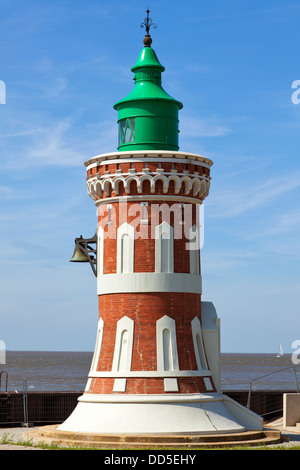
x=145, y=309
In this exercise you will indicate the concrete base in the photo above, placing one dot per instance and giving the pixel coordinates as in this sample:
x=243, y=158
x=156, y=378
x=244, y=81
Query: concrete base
x=117, y=414
x=52, y=436
x=291, y=409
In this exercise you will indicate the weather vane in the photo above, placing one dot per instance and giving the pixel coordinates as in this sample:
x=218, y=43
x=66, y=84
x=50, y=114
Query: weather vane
x=147, y=24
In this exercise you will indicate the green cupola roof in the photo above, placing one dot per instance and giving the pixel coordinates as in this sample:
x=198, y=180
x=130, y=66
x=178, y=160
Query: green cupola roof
x=147, y=58
x=148, y=116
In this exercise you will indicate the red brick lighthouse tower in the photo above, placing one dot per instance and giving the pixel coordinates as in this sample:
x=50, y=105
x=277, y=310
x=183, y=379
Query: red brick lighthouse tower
x=156, y=362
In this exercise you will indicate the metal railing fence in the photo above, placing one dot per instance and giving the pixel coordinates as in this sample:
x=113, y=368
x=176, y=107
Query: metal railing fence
x=38, y=400
x=45, y=400
x=287, y=383
x=291, y=368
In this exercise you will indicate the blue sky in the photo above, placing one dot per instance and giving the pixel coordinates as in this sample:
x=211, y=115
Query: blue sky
x=232, y=64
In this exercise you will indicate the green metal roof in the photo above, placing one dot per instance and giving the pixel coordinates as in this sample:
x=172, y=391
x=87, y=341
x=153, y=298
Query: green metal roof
x=148, y=116
x=147, y=78
x=147, y=58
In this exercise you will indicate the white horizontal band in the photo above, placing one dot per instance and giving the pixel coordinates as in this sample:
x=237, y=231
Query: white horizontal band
x=149, y=373
x=140, y=155
x=149, y=282
x=147, y=160
x=151, y=398
x=110, y=200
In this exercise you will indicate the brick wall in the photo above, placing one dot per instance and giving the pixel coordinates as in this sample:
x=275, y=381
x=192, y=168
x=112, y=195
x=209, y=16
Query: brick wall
x=145, y=309
x=144, y=246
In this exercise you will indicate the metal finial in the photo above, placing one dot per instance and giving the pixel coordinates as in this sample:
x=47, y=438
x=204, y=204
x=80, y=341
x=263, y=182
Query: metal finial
x=147, y=24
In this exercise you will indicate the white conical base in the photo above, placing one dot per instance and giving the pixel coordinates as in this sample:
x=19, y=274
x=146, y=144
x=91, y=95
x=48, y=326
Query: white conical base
x=160, y=414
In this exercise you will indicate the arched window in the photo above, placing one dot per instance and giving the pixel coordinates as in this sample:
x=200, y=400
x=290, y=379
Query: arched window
x=97, y=351
x=144, y=213
x=125, y=249
x=123, y=345
x=123, y=351
x=198, y=344
x=100, y=251
x=98, y=345
x=167, y=350
x=167, y=356
x=193, y=247
x=164, y=248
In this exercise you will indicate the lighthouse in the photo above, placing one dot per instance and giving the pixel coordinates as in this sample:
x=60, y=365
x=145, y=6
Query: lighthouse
x=156, y=363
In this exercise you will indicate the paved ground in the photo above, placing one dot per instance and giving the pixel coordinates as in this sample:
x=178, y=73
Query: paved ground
x=13, y=435
x=291, y=433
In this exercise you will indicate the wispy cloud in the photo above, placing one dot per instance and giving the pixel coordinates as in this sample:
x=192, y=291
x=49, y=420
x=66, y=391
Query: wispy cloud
x=62, y=145
x=235, y=199
x=278, y=224
x=197, y=127
x=6, y=192
x=220, y=261
x=56, y=87
x=52, y=147
x=62, y=142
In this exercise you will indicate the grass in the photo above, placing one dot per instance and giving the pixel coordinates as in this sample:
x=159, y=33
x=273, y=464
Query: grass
x=8, y=439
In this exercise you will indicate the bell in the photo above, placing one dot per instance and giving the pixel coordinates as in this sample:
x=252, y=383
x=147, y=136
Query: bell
x=79, y=256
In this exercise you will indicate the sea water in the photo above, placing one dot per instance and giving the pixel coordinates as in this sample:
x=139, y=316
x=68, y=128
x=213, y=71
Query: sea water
x=68, y=371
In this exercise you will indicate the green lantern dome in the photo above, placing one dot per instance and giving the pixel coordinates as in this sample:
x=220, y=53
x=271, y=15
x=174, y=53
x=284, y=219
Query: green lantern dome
x=148, y=116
